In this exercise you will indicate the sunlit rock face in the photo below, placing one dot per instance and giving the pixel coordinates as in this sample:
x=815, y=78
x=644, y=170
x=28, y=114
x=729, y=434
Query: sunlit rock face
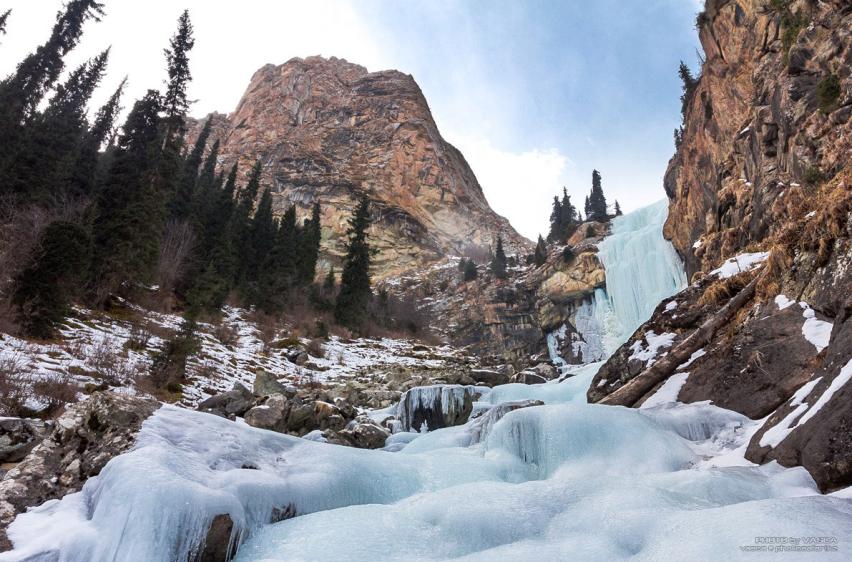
x=327, y=130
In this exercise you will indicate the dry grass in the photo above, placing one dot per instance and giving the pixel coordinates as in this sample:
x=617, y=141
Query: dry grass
x=725, y=288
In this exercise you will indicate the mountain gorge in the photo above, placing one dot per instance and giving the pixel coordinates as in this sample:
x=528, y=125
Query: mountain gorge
x=671, y=383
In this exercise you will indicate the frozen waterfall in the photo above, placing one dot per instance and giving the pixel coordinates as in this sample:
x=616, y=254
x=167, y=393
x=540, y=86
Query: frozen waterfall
x=642, y=268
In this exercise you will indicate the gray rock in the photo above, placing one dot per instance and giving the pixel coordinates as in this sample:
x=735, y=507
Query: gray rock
x=229, y=404
x=528, y=377
x=18, y=436
x=267, y=385
x=84, y=438
x=546, y=371
x=271, y=414
x=488, y=377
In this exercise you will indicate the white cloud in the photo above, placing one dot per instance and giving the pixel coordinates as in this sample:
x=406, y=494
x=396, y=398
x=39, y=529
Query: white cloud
x=518, y=185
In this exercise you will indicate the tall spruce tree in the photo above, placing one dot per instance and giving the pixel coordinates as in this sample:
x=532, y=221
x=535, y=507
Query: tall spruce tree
x=84, y=178
x=4, y=17
x=44, y=289
x=129, y=209
x=354, y=296
x=181, y=204
x=556, y=229
x=597, y=209
x=308, y=248
x=688, y=84
x=241, y=223
x=261, y=236
x=540, y=254
x=618, y=212
x=21, y=93
x=498, y=261
x=50, y=144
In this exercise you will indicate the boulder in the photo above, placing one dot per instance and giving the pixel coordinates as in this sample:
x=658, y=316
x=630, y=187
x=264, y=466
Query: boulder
x=488, y=377
x=433, y=407
x=546, y=371
x=528, y=377
x=271, y=414
x=229, y=404
x=266, y=385
x=18, y=436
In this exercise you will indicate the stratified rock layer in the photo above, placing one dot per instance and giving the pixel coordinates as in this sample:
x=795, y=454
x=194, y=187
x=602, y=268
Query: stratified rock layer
x=329, y=131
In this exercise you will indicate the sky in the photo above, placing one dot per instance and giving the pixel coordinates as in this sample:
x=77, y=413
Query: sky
x=535, y=93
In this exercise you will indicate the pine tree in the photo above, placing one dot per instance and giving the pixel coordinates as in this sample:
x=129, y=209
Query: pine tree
x=330, y=281
x=174, y=106
x=44, y=289
x=470, y=272
x=540, y=255
x=261, y=236
x=354, y=297
x=308, y=248
x=587, y=209
x=597, y=209
x=168, y=369
x=556, y=226
x=175, y=101
x=279, y=272
x=498, y=261
x=241, y=223
x=3, y=18
x=129, y=210
x=181, y=204
x=21, y=93
x=49, y=145
x=617, y=209
x=85, y=175
x=688, y=84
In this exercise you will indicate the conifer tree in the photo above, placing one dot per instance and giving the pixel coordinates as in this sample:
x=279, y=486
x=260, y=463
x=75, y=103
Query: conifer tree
x=174, y=106
x=330, y=281
x=587, y=209
x=689, y=84
x=617, y=209
x=169, y=366
x=85, y=175
x=597, y=202
x=44, y=289
x=354, y=296
x=556, y=226
x=241, y=222
x=3, y=18
x=498, y=261
x=175, y=101
x=540, y=255
x=181, y=204
x=308, y=248
x=21, y=93
x=278, y=273
x=261, y=236
x=129, y=210
x=48, y=146
x=470, y=272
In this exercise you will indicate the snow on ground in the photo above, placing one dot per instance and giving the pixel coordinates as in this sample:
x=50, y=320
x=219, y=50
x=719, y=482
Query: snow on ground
x=697, y=354
x=777, y=433
x=97, y=348
x=655, y=343
x=668, y=392
x=580, y=481
x=740, y=263
x=816, y=331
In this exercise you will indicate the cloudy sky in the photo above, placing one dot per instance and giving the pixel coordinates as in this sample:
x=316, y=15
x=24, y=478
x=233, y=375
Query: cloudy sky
x=535, y=93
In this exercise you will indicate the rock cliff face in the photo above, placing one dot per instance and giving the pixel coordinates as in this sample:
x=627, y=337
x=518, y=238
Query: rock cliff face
x=763, y=172
x=327, y=130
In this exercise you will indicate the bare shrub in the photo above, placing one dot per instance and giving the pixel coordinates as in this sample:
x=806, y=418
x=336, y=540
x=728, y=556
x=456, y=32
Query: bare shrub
x=108, y=362
x=139, y=338
x=176, y=247
x=56, y=391
x=315, y=348
x=15, y=388
x=478, y=253
x=226, y=334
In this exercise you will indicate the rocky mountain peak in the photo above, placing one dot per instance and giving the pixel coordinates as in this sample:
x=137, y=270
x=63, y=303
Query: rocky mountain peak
x=330, y=131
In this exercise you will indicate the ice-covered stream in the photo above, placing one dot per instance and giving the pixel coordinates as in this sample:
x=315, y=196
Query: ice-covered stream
x=561, y=481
